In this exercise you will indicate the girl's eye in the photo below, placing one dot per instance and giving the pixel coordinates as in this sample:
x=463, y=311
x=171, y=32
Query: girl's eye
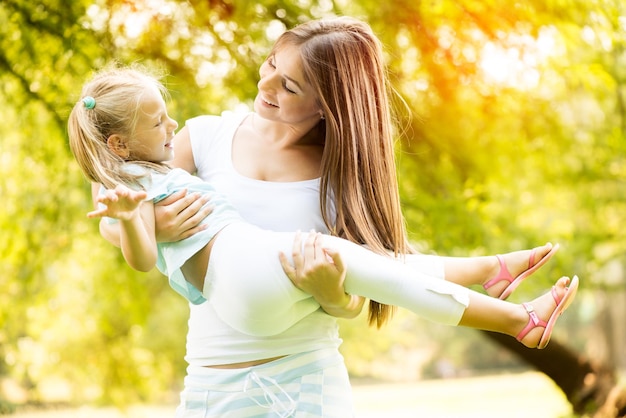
x=270, y=62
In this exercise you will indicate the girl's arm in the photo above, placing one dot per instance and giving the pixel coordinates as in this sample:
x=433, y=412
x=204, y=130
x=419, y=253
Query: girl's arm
x=136, y=225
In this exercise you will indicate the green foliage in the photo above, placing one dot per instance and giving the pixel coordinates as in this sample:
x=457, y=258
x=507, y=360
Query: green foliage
x=515, y=137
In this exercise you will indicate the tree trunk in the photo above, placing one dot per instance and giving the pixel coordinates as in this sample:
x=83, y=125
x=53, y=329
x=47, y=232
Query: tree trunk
x=590, y=387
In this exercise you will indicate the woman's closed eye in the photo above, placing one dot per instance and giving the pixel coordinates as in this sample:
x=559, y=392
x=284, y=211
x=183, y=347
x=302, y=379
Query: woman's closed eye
x=287, y=88
x=272, y=63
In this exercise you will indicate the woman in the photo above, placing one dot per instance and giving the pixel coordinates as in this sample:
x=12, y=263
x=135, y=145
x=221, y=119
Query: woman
x=299, y=148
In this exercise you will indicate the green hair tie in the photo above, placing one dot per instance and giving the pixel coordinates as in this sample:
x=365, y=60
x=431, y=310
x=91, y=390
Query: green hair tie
x=89, y=102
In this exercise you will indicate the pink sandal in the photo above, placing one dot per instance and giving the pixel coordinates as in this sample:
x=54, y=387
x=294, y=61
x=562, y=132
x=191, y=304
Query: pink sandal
x=505, y=274
x=561, y=305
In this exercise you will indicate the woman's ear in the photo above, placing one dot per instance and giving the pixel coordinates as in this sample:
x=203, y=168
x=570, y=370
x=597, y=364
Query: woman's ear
x=117, y=144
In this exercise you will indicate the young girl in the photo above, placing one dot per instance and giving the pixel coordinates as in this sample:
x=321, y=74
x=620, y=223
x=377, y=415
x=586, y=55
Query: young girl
x=120, y=134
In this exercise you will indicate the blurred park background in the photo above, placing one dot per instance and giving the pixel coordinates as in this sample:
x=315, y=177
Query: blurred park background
x=516, y=136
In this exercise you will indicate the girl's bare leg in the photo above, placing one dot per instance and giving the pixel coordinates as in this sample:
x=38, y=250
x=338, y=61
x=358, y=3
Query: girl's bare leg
x=468, y=271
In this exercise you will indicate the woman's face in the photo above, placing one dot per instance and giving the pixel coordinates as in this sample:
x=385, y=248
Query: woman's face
x=283, y=95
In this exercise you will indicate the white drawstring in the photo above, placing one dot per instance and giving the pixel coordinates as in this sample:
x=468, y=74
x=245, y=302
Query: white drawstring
x=274, y=404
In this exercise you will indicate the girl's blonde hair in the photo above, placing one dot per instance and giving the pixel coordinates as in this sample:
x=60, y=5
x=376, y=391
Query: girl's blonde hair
x=117, y=93
x=343, y=61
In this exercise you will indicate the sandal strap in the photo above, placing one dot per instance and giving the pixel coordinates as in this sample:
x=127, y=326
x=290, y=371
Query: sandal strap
x=556, y=296
x=531, y=259
x=503, y=274
x=533, y=322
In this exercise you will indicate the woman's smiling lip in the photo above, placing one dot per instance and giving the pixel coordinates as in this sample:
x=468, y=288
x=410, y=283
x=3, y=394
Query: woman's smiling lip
x=264, y=100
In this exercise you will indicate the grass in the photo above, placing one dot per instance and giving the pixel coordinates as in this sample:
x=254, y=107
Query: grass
x=523, y=395
x=514, y=395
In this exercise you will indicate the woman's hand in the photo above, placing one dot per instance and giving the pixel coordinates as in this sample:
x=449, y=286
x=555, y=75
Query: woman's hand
x=120, y=203
x=320, y=272
x=179, y=215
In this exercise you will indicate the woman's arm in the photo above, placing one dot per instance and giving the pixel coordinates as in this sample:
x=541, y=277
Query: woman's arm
x=136, y=225
x=320, y=272
x=183, y=153
x=179, y=215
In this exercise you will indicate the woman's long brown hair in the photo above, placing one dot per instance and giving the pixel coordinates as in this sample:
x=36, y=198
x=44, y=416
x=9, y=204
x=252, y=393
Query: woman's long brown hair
x=343, y=61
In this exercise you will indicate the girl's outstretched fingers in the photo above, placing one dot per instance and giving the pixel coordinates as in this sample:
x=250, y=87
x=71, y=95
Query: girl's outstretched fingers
x=118, y=203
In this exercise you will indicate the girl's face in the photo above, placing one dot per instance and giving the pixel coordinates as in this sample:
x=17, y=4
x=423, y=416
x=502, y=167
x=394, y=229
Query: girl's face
x=283, y=95
x=154, y=132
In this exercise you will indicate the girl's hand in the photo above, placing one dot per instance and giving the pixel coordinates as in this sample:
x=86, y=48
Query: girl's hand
x=121, y=203
x=179, y=215
x=320, y=272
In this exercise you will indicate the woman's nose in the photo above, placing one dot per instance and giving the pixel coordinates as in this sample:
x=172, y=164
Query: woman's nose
x=174, y=124
x=267, y=81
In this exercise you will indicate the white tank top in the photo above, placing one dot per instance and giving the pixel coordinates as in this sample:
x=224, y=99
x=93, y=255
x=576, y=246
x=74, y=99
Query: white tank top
x=276, y=206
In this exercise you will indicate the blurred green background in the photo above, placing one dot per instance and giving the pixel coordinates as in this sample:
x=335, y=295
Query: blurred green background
x=516, y=136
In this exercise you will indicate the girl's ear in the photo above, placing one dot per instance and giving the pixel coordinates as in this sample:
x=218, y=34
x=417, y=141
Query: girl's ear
x=117, y=144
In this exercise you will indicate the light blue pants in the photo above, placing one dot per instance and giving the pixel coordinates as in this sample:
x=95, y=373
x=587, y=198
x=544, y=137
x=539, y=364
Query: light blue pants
x=307, y=385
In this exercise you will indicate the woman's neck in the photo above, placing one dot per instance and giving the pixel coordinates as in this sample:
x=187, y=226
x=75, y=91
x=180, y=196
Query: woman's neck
x=284, y=135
